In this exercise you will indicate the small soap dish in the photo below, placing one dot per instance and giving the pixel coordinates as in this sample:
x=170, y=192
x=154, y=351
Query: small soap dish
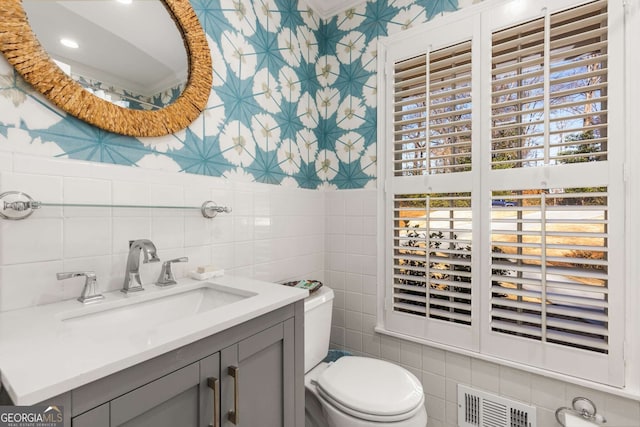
x=206, y=275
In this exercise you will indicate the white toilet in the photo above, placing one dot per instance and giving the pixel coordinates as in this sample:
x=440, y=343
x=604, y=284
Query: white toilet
x=353, y=391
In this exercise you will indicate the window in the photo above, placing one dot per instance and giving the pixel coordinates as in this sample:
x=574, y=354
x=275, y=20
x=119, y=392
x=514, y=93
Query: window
x=503, y=211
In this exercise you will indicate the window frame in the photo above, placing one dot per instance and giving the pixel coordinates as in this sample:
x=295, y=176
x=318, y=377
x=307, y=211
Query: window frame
x=478, y=340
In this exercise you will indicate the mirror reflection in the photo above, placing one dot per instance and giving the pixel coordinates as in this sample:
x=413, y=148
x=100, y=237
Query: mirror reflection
x=129, y=52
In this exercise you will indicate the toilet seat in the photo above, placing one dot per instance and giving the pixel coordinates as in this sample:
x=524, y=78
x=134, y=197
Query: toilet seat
x=371, y=417
x=371, y=389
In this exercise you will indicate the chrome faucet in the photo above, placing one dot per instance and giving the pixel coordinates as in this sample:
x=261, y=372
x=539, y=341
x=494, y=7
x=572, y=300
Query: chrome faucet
x=166, y=273
x=132, y=281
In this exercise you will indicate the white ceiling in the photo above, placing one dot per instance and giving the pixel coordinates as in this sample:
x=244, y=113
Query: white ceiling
x=117, y=46
x=329, y=8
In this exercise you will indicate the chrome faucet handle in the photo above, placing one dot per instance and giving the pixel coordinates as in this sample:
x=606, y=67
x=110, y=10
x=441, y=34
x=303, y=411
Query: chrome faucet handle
x=166, y=273
x=90, y=290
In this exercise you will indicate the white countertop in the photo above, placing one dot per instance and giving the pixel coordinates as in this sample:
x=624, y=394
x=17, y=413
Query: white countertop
x=41, y=356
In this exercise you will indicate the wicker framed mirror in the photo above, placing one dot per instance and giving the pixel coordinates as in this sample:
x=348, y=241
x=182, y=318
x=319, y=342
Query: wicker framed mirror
x=22, y=49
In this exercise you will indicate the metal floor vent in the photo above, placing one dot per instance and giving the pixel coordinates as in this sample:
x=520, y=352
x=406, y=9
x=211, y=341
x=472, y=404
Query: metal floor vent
x=481, y=409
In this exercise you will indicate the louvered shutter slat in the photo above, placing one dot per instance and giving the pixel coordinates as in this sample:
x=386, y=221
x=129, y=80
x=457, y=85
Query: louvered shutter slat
x=462, y=79
x=564, y=54
x=565, y=94
x=409, y=94
x=523, y=78
x=532, y=88
x=406, y=121
x=446, y=128
x=516, y=105
x=519, y=52
x=520, y=329
x=525, y=67
x=460, y=112
x=579, y=63
x=519, y=137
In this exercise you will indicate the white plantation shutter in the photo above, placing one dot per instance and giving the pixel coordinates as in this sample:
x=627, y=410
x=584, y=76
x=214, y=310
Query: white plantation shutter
x=410, y=122
x=432, y=127
x=450, y=109
x=432, y=256
x=503, y=192
x=555, y=260
x=578, y=80
x=429, y=227
x=518, y=95
x=549, y=267
x=530, y=128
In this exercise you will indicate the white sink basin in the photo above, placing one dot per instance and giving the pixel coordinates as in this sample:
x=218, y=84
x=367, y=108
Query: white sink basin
x=158, y=307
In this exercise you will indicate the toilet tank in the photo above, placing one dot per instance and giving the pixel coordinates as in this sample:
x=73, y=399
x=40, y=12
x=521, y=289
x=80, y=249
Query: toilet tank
x=317, y=326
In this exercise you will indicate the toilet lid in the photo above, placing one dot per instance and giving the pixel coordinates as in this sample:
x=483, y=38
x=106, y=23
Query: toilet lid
x=371, y=386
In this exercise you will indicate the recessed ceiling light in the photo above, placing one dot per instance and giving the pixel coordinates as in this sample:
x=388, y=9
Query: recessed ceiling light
x=69, y=43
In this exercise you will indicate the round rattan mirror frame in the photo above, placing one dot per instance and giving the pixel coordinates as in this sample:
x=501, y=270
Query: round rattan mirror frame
x=22, y=49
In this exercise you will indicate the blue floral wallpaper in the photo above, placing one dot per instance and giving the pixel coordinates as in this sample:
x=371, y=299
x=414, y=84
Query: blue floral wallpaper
x=293, y=100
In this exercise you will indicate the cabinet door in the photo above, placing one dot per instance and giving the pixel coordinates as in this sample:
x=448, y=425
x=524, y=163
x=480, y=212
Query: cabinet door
x=258, y=379
x=169, y=401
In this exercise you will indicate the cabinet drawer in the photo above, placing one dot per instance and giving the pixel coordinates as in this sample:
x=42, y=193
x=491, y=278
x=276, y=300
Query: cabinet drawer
x=97, y=417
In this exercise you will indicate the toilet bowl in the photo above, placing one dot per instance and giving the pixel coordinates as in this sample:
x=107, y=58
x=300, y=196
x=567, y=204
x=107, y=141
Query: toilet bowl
x=354, y=391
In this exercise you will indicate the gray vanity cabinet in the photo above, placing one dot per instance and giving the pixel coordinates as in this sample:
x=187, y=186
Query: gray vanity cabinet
x=257, y=380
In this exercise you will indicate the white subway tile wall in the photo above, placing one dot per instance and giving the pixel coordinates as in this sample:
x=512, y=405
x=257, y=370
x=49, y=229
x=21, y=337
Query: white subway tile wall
x=351, y=270
x=274, y=233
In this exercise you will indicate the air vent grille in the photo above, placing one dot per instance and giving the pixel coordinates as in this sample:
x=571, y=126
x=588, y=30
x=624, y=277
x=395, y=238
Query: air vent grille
x=519, y=418
x=481, y=409
x=493, y=414
x=472, y=409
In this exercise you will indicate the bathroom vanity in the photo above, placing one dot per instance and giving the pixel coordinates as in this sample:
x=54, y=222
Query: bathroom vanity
x=190, y=361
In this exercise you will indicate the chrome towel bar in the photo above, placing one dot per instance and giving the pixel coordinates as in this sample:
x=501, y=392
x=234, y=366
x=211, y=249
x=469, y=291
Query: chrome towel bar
x=16, y=205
